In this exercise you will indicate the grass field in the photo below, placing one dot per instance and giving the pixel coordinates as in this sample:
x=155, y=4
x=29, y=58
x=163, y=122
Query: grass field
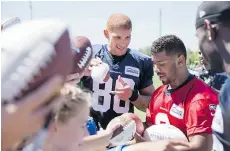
x=156, y=83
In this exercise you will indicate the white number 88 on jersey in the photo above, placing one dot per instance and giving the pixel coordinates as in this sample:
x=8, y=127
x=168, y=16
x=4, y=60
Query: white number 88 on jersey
x=106, y=96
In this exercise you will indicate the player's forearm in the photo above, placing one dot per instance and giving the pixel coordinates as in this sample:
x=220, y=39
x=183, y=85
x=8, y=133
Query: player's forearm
x=142, y=102
x=197, y=145
x=193, y=148
x=149, y=146
x=136, y=147
x=159, y=146
x=95, y=142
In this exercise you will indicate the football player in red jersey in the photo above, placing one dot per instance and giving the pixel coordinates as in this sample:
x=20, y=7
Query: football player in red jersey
x=183, y=100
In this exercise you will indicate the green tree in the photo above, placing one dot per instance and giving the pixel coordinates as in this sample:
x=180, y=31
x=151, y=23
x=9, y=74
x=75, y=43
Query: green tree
x=146, y=50
x=192, y=57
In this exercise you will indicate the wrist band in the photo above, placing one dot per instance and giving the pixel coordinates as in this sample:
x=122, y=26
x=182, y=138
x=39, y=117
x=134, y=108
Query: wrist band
x=134, y=96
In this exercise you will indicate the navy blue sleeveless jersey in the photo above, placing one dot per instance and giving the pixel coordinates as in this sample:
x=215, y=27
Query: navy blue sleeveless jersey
x=135, y=68
x=221, y=121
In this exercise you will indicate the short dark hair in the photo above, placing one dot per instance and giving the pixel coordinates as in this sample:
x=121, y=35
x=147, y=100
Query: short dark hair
x=171, y=44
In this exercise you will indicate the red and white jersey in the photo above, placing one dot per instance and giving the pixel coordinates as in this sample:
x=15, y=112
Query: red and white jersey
x=190, y=107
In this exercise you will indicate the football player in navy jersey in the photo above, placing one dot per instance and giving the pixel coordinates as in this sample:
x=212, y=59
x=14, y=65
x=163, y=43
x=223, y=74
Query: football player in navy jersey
x=213, y=32
x=133, y=68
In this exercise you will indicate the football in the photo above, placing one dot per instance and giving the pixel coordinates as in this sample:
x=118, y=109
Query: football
x=130, y=124
x=163, y=131
x=82, y=52
x=139, y=125
x=33, y=52
x=100, y=73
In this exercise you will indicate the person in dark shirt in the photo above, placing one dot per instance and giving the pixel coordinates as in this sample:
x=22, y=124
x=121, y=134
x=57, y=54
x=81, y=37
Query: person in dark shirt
x=213, y=79
x=213, y=33
x=134, y=68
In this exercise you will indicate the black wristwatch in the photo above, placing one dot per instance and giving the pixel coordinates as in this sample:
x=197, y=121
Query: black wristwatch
x=134, y=96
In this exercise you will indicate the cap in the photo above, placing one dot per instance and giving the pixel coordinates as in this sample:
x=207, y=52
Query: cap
x=214, y=11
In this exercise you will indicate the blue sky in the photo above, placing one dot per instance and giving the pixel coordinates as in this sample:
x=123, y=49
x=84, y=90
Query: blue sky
x=89, y=18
